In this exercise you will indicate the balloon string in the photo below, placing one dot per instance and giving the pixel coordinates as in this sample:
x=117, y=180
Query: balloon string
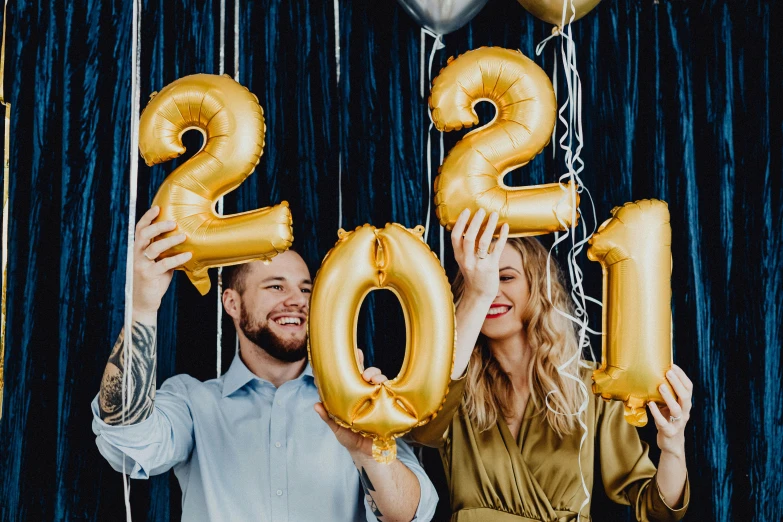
x=6, y=206
x=442, y=229
x=437, y=45
x=236, y=41
x=339, y=114
x=236, y=79
x=575, y=165
x=132, y=192
x=220, y=208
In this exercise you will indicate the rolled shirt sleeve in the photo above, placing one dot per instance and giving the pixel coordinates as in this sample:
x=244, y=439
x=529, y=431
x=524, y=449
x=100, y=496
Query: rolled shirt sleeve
x=154, y=445
x=428, y=501
x=629, y=476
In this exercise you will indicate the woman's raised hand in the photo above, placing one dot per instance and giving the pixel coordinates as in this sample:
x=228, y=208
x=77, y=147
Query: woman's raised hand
x=479, y=263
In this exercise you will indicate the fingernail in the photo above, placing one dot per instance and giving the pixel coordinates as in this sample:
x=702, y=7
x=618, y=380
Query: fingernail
x=494, y=214
x=467, y=210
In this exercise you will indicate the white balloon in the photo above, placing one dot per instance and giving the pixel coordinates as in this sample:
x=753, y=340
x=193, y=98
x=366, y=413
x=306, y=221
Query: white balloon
x=442, y=16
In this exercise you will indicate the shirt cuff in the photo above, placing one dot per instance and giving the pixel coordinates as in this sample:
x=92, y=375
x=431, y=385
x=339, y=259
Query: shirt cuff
x=428, y=499
x=675, y=514
x=120, y=444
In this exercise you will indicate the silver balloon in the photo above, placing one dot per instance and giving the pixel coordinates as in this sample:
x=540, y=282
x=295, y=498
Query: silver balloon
x=442, y=16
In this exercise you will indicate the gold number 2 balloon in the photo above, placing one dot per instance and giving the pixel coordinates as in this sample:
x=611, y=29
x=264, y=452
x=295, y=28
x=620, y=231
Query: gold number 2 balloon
x=396, y=259
x=634, y=249
x=232, y=122
x=472, y=174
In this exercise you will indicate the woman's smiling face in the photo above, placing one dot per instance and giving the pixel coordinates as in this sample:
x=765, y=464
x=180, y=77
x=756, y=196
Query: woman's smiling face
x=504, y=318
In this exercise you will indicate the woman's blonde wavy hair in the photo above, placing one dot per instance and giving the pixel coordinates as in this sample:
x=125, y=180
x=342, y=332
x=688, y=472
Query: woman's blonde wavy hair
x=550, y=336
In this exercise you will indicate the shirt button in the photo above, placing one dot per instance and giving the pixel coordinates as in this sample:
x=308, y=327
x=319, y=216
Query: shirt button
x=279, y=492
x=277, y=444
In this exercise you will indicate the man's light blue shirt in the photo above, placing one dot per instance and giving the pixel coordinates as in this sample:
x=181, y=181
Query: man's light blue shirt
x=244, y=450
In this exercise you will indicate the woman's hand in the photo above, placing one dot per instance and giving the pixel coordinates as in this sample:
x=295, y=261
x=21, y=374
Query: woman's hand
x=478, y=265
x=670, y=421
x=480, y=269
x=672, y=418
x=151, y=278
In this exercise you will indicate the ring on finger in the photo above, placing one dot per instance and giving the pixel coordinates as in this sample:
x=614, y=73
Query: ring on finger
x=147, y=255
x=674, y=419
x=482, y=253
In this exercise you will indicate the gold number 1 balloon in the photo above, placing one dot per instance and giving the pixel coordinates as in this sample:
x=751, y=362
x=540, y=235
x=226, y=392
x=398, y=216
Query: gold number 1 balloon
x=232, y=122
x=634, y=249
x=396, y=259
x=472, y=174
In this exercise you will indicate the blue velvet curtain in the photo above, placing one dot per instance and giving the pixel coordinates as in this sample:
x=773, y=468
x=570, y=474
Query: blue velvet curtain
x=681, y=102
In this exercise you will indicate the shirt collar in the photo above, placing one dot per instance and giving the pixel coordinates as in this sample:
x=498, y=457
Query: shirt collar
x=239, y=375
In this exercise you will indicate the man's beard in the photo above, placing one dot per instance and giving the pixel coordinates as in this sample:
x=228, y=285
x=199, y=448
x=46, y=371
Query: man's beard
x=290, y=350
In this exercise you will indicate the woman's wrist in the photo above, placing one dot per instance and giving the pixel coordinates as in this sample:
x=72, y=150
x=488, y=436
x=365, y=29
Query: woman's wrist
x=478, y=296
x=673, y=453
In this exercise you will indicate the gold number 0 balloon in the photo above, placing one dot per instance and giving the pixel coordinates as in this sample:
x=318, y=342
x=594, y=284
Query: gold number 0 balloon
x=634, y=249
x=472, y=174
x=396, y=259
x=232, y=122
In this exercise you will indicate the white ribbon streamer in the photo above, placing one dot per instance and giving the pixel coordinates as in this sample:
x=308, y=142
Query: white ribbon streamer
x=236, y=79
x=575, y=166
x=236, y=41
x=132, y=192
x=221, y=70
x=337, y=73
x=437, y=45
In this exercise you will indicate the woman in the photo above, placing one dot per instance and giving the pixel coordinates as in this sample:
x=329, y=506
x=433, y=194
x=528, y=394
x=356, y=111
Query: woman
x=508, y=456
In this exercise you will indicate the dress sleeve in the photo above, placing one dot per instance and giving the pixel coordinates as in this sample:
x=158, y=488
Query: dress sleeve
x=433, y=433
x=628, y=474
x=155, y=445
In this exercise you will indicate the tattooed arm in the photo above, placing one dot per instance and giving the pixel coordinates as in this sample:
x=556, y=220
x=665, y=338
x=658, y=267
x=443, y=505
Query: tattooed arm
x=140, y=391
x=151, y=279
x=391, y=490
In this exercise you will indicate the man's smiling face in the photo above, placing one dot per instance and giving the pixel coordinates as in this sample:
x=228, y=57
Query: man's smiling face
x=274, y=304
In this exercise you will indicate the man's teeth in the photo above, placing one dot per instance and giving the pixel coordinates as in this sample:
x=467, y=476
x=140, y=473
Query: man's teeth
x=498, y=310
x=289, y=320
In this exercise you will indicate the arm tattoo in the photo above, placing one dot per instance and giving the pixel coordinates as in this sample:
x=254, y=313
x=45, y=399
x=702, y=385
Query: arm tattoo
x=368, y=489
x=141, y=379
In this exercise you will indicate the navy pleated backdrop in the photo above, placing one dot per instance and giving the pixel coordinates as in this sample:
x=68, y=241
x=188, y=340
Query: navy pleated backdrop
x=681, y=102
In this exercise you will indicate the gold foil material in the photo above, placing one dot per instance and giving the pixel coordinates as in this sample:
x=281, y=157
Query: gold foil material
x=634, y=249
x=396, y=259
x=472, y=174
x=232, y=122
x=552, y=10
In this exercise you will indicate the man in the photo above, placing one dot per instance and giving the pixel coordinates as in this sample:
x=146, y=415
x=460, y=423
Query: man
x=249, y=445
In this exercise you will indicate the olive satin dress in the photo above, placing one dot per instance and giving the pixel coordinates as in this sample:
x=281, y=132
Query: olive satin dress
x=494, y=478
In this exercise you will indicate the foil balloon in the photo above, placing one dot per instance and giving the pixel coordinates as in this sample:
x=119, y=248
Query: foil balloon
x=442, y=16
x=232, y=122
x=551, y=11
x=396, y=259
x=472, y=173
x=634, y=249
